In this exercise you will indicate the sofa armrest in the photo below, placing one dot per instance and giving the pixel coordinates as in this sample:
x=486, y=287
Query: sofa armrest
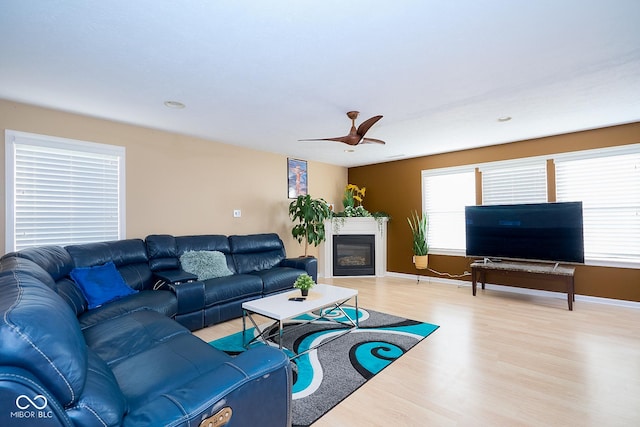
x=308, y=264
x=190, y=296
x=24, y=399
x=165, y=277
x=189, y=292
x=256, y=385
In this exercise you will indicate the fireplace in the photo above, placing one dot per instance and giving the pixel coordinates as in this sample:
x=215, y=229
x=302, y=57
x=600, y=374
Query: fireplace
x=354, y=255
x=345, y=228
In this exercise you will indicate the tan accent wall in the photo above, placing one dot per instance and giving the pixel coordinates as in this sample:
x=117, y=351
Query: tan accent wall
x=395, y=187
x=183, y=185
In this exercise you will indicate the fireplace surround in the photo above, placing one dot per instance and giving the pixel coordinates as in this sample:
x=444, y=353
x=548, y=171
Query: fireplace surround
x=363, y=243
x=354, y=255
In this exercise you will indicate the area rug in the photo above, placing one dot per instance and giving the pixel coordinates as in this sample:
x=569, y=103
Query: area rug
x=325, y=376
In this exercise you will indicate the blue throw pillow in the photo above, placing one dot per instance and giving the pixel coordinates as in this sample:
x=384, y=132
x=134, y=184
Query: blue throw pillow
x=101, y=283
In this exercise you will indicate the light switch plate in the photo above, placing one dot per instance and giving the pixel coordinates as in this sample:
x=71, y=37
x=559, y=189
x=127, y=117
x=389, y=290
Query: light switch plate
x=237, y=213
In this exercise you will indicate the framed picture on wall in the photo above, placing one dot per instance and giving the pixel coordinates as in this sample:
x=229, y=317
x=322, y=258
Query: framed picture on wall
x=296, y=178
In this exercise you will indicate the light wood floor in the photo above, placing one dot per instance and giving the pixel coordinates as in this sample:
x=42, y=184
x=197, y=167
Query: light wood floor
x=498, y=359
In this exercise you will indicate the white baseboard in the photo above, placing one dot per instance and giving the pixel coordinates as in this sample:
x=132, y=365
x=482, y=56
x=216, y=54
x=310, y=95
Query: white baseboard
x=526, y=291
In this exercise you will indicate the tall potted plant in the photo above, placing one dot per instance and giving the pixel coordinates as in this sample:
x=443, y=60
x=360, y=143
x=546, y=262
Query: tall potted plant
x=420, y=230
x=308, y=215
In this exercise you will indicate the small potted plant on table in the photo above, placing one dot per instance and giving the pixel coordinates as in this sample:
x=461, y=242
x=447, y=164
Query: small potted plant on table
x=304, y=282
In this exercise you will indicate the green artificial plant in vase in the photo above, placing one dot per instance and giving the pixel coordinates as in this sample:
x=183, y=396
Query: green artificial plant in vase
x=420, y=231
x=304, y=282
x=309, y=215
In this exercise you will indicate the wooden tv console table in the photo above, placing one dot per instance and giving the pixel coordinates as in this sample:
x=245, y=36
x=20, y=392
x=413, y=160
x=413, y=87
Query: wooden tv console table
x=479, y=270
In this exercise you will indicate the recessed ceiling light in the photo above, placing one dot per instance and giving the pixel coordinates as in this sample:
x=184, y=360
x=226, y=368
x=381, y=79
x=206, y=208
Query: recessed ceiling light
x=350, y=150
x=504, y=118
x=174, y=104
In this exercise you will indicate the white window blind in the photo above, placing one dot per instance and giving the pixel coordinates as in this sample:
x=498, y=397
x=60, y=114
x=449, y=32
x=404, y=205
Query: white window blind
x=62, y=191
x=515, y=183
x=445, y=194
x=608, y=184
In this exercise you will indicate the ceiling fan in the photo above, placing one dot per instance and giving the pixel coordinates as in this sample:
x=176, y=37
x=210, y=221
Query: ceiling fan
x=356, y=136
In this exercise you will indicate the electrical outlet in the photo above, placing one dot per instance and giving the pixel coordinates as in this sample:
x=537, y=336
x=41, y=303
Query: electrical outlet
x=237, y=213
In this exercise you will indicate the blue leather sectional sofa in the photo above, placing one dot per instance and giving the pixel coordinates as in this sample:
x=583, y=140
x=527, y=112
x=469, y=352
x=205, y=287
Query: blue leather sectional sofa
x=133, y=361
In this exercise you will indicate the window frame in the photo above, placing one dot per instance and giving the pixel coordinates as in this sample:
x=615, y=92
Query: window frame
x=592, y=257
x=507, y=168
x=13, y=138
x=456, y=170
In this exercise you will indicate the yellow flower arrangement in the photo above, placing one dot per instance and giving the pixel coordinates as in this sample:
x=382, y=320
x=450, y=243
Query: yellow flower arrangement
x=353, y=194
x=352, y=202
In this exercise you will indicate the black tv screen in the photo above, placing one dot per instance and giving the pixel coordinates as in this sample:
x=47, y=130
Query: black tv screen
x=537, y=231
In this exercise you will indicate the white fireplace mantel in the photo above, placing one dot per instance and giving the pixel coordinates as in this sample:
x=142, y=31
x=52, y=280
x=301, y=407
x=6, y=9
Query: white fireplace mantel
x=354, y=225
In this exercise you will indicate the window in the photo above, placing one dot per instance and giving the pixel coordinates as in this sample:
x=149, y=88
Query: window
x=62, y=191
x=514, y=182
x=608, y=184
x=445, y=194
x=606, y=181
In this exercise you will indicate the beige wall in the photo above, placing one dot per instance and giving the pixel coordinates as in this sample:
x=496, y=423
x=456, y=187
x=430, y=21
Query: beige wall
x=184, y=185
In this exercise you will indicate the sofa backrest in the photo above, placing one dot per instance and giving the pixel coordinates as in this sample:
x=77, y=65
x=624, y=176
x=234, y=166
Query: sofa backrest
x=56, y=262
x=17, y=260
x=53, y=259
x=129, y=256
x=256, y=252
x=165, y=250
x=162, y=251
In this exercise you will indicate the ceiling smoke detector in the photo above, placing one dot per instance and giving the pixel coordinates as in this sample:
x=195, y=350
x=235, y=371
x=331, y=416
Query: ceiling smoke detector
x=174, y=104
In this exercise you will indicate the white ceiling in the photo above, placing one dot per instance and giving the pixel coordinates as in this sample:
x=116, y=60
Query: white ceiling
x=263, y=74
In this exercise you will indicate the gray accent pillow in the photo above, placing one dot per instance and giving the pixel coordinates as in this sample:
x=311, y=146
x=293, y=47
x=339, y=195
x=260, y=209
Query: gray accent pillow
x=205, y=264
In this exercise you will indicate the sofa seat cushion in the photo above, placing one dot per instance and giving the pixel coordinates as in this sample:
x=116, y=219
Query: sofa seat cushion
x=125, y=336
x=278, y=278
x=164, y=371
x=163, y=302
x=178, y=360
x=231, y=288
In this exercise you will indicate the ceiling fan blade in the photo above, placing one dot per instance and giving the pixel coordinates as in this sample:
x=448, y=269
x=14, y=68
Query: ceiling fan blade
x=355, y=137
x=364, y=126
x=372, y=141
x=344, y=139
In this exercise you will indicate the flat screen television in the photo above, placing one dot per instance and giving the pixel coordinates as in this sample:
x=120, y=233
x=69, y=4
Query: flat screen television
x=537, y=232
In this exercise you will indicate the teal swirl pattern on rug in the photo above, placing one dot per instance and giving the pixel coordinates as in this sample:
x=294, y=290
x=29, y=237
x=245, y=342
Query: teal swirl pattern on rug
x=325, y=376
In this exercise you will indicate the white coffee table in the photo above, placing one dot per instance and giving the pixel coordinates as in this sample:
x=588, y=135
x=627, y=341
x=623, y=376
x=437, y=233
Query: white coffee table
x=279, y=308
